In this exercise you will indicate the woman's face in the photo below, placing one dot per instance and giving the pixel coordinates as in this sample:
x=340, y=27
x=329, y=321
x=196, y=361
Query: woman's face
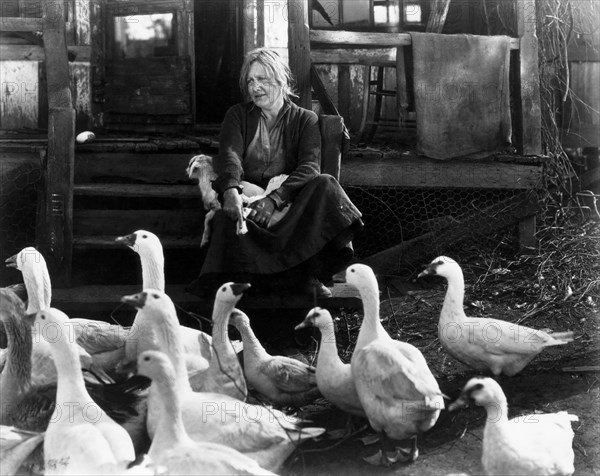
x=263, y=89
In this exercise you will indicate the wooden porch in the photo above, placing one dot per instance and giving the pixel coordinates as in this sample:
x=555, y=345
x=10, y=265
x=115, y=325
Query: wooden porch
x=150, y=167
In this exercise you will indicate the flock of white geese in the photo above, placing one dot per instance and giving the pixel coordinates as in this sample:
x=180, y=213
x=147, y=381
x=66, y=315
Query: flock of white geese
x=85, y=397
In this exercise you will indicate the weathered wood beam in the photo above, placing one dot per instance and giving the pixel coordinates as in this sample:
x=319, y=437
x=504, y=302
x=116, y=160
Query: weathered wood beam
x=364, y=56
x=424, y=172
x=419, y=251
x=528, y=109
x=299, y=49
x=340, y=39
x=250, y=9
x=61, y=144
x=321, y=92
x=36, y=53
x=21, y=24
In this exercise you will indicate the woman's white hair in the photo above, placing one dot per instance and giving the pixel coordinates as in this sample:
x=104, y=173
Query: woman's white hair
x=275, y=66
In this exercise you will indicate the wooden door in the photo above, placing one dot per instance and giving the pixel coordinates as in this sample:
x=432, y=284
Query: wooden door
x=148, y=64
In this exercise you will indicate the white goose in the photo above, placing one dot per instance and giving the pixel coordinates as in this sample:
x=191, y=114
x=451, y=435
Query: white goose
x=334, y=377
x=485, y=344
x=171, y=446
x=197, y=344
x=266, y=435
x=398, y=392
x=224, y=374
x=33, y=266
x=15, y=448
x=81, y=438
x=283, y=380
x=537, y=444
x=30, y=407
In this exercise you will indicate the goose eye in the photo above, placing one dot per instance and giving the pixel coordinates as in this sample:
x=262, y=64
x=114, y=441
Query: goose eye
x=43, y=317
x=144, y=236
x=146, y=359
x=155, y=296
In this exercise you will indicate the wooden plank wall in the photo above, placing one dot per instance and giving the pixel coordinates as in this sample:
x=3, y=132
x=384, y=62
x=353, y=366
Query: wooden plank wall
x=23, y=97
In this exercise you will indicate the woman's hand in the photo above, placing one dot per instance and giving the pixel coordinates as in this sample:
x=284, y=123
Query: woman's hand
x=261, y=211
x=232, y=204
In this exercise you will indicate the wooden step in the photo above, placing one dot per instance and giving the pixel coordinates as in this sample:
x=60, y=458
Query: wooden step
x=136, y=190
x=100, y=222
x=83, y=242
x=139, y=168
x=106, y=299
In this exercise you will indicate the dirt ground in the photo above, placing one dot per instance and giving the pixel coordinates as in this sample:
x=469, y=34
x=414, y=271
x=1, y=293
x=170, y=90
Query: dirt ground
x=506, y=286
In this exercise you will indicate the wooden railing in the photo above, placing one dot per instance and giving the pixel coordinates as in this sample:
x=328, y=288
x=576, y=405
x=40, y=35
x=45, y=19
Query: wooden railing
x=380, y=49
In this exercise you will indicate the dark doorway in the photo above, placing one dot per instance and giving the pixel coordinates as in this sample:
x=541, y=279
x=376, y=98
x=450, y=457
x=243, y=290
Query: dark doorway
x=219, y=51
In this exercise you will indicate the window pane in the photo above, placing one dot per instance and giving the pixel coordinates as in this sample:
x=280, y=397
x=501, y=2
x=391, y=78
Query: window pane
x=144, y=36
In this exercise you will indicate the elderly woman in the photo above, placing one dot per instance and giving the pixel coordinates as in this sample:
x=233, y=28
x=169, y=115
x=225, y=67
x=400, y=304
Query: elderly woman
x=263, y=137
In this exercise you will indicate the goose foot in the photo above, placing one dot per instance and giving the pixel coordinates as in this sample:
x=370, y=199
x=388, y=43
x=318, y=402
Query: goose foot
x=382, y=458
x=388, y=458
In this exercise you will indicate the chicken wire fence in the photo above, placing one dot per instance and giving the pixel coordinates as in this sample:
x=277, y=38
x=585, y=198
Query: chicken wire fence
x=393, y=215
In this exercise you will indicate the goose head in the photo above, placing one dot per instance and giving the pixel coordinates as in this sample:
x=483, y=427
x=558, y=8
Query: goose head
x=149, y=248
x=33, y=266
x=316, y=317
x=362, y=278
x=144, y=243
x=152, y=302
x=239, y=319
x=442, y=266
x=50, y=322
x=482, y=391
x=227, y=296
x=155, y=365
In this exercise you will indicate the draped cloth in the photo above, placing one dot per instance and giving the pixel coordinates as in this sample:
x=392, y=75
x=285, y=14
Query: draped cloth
x=462, y=100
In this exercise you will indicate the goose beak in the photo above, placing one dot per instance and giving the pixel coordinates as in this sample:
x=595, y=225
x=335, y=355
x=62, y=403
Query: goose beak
x=460, y=402
x=127, y=240
x=426, y=272
x=11, y=262
x=135, y=300
x=303, y=325
x=239, y=288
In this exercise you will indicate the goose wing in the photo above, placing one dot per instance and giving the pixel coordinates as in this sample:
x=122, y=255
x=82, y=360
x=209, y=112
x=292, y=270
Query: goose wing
x=394, y=372
x=499, y=337
x=15, y=447
x=290, y=375
x=96, y=337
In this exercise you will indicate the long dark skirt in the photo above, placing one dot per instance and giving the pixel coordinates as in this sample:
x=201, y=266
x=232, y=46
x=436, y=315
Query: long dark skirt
x=313, y=238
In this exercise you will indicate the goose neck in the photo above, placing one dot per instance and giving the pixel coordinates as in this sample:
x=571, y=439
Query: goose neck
x=153, y=272
x=169, y=342
x=328, y=347
x=371, y=326
x=171, y=429
x=251, y=343
x=452, y=309
x=497, y=413
x=70, y=383
x=38, y=292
